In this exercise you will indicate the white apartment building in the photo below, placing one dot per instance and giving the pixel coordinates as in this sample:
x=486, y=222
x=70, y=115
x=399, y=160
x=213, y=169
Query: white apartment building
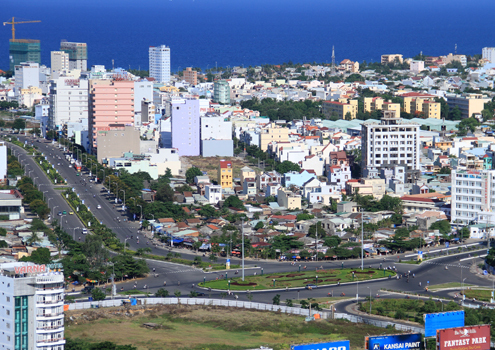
x=215, y=128
x=32, y=313
x=59, y=62
x=68, y=101
x=3, y=161
x=213, y=193
x=392, y=141
x=159, y=58
x=488, y=53
x=26, y=74
x=143, y=90
x=473, y=196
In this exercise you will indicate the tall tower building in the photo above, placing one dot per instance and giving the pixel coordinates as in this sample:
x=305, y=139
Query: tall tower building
x=393, y=141
x=32, y=303
x=68, y=102
x=186, y=132
x=160, y=63
x=110, y=102
x=24, y=50
x=78, y=54
x=221, y=92
x=59, y=62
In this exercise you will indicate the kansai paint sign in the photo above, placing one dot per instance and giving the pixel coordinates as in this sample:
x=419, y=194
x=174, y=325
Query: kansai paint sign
x=394, y=342
x=30, y=269
x=464, y=338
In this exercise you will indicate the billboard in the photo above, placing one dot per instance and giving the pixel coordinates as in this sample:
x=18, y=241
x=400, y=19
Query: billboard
x=442, y=320
x=463, y=338
x=391, y=342
x=333, y=345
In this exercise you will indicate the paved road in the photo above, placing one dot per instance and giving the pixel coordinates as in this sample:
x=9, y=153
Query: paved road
x=433, y=271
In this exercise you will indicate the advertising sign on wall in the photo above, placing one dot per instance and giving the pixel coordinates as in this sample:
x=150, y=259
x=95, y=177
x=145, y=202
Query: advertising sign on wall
x=464, y=338
x=442, y=320
x=394, y=342
x=334, y=345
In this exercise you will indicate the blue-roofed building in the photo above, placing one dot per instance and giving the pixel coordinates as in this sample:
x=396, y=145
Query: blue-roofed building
x=296, y=178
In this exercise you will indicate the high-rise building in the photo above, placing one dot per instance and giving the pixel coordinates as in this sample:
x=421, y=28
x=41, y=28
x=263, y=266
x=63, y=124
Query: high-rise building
x=221, y=92
x=24, y=50
x=472, y=196
x=26, y=74
x=488, y=53
x=32, y=303
x=68, y=102
x=59, y=62
x=392, y=141
x=3, y=161
x=190, y=76
x=186, y=126
x=159, y=58
x=78, y=54
x=110, y=102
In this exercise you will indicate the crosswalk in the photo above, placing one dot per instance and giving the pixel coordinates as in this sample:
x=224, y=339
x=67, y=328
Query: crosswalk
x=449, y=265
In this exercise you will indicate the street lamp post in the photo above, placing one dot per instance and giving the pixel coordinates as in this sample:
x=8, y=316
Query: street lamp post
x=61, y=221
x=357, y=289
x=44, y=194
x=54, y=210
x=124, y=197
x=141, y=217
x=113, y=279
x=125, y=243
x=116, y=192
x=370, y=298
x=74, y=233
x=362, y=241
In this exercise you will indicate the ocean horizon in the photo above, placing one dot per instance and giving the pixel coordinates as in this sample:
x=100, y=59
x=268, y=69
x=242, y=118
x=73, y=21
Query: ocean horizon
x=206, y=33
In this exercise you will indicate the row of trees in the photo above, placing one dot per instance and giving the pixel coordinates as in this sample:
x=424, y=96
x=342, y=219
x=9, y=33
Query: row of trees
x=284, y=110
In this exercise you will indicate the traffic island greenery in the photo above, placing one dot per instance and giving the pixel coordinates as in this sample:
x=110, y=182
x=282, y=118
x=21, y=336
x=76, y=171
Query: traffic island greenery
x=478, y=294
x=295, y=279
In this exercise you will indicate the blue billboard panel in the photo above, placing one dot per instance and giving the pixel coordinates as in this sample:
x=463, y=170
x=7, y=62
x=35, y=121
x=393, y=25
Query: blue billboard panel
x=333, y=345
x=393, y=342
x=442, y=320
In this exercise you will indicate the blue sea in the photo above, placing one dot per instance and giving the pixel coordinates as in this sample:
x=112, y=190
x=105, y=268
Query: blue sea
x=209, y=33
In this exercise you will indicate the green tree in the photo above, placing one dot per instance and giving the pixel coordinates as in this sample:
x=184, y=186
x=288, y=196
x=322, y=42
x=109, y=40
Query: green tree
x=97, y=294
x=287, y=166
x=40, y=256
x=443, y=226
x=234, y=202
x=3, y=244
x=177, y=293
x=191, y=173
x=94, y=250
x=19, y=124
x=259, y=225
x=304, y=216
x=276, y=299
x=165, y=193
x=3, y=232
x=455, y=113
x=468, y=124
x=162, y=293
x=289, y=303
x=208, y=211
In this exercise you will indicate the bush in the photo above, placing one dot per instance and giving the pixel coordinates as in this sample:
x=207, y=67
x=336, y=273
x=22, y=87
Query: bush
x=400, y=315
x=162, y=293
x=97, y=294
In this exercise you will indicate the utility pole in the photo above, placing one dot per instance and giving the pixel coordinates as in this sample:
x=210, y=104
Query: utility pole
x=242, y=223
x=362, y=241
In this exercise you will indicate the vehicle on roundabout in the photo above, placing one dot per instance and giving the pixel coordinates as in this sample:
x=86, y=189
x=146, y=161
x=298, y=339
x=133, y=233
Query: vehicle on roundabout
x=311, y=286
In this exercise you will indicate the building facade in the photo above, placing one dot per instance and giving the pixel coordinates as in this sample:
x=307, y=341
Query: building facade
x=221, y=92
x=59, y=62
x=392, y=141
x=185, y=124
x=24, y=50
x=115, y=140
x=68, y=102
x=272, y=133
x=110, y=102
x=386, y=59
x=225, y=174
x=32, y=307
x=78, y=54
x=469, y=104
x=190, y=76
x=340, y=109
x=488, y=53
x=159, y=60
x=26, y=74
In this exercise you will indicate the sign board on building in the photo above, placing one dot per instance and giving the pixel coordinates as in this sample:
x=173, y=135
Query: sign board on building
x=30, y=269
x=71, y=82
x=442, y=320
x=463, y=338
x=334, y=345
x=392, y=342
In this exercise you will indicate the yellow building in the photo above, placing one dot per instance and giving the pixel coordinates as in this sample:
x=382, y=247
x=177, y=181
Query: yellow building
x=273, y=133
x=247, y=173
x=168, y=89
x=225, y=174
x=413, y=101
x=391, y=58
x=469, y=104
x=432, y=109
x=288, y=199
x=372, y=104
x=340, y=108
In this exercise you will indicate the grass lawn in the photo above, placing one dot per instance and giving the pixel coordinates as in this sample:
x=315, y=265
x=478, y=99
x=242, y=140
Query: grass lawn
x=209, y=327
x=448, y=285
x=132, y=292
x=296, y=279
x=479, y=294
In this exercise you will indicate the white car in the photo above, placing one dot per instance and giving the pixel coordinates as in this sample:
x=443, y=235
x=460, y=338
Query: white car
x=85, y=231
x=98, y=207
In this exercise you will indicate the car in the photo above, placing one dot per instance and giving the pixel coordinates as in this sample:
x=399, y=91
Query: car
x=87, y=289
x=64, y=213
x=98, y=207
x=84, y=231
x=311, y=286
x=70, y=166
x=78, y=174
x=71, y=212
x=59, y=213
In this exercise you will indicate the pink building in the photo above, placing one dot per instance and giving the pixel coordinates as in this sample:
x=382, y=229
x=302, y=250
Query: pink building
x=111, y=102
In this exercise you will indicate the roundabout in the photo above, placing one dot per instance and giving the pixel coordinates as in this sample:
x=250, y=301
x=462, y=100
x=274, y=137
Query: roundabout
x=322, y=277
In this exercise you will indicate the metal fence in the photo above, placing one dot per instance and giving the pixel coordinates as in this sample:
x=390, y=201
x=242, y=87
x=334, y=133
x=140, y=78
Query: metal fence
x=377, y=323
x=201, y=301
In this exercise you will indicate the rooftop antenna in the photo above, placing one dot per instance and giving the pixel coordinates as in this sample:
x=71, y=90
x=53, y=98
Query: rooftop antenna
x=333, y=60
x=455, y=50
x=113, y=66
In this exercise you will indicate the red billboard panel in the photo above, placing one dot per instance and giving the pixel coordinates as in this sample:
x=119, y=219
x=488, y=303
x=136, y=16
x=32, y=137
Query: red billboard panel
x=464, y=338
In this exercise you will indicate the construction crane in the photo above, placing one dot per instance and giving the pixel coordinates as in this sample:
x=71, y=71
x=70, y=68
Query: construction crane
x=13, y=22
